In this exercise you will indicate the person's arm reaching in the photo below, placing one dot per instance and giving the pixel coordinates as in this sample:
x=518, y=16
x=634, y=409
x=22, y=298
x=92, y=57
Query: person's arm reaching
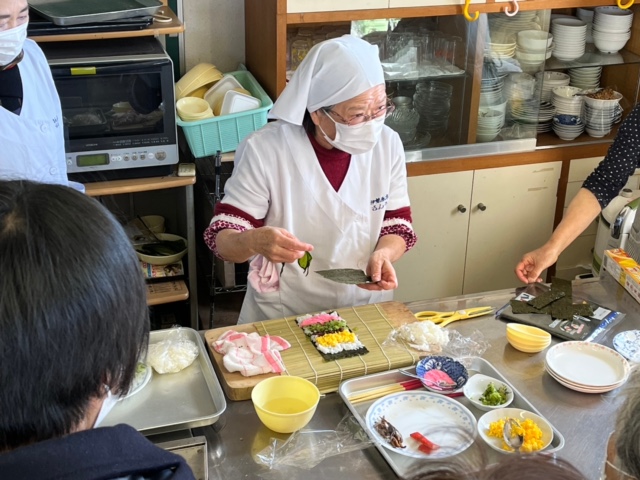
x=275, y=244
x=582, y=210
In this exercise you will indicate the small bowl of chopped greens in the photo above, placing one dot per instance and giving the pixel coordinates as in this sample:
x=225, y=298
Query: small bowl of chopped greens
x=487, y=393
x=167, y=249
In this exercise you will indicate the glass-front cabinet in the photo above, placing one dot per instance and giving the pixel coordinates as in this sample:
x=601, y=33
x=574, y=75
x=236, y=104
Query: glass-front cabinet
x=503, y=83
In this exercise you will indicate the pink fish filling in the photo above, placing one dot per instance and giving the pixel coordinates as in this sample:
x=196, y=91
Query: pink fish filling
x=435, y=377
x=319, y=319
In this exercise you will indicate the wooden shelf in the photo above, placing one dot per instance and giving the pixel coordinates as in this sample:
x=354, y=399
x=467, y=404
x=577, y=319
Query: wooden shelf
x=166, y=292
x=155, y=29
x=133, y=185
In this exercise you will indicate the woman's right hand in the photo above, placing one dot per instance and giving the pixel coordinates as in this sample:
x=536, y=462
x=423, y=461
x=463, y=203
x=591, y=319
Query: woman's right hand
x=278, y=245
x=533, y=263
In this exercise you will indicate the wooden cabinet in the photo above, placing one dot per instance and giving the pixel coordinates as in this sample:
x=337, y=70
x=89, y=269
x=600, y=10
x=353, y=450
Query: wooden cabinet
x=473, y=228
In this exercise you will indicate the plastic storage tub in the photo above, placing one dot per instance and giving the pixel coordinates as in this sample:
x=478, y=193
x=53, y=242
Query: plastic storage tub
x=224, y=133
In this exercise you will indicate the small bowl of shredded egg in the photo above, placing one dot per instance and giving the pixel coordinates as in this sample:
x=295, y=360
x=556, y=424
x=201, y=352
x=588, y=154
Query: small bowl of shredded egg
x=536, y=431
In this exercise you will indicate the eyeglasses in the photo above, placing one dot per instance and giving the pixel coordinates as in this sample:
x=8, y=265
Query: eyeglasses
x=360, y=118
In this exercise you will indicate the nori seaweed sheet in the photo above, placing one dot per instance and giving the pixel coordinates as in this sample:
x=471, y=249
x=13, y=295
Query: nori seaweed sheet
x=565, y=310
x=562, y=285
x=350, y=276
x=344, y=354
x=546, y=298
x=518, y=306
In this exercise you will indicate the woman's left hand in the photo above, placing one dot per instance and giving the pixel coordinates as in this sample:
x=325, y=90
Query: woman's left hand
x=383, y=275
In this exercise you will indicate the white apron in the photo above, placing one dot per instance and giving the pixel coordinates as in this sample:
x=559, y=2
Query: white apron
x=32, y=143
x=287, y=185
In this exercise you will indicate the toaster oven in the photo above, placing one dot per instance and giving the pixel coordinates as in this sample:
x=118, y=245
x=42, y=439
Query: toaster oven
x=118, y=111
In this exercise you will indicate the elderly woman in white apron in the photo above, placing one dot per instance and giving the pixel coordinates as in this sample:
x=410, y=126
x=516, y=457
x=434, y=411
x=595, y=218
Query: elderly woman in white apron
x=31, y=133
x=323, y=187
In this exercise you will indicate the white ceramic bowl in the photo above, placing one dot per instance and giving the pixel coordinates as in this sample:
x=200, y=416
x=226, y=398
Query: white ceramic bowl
x=518, y=414
x=608, y=46
x=596, y=103
x=534, y=39
x=475, y=387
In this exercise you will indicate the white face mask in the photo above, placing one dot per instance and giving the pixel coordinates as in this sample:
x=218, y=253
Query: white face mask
x=356, y=139
x=11, y=43
x=108, y=403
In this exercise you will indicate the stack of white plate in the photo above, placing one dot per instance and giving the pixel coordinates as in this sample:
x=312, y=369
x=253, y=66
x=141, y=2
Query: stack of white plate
x=587, y=367
x=545, y=116
x=569, y=35
x=611, y=28
x=585, y=78
x=547, y=81
x=499, y=23
x=501, y=50
x=566, y=101
x=586, y=15
x=491, y=91
x=525, y=111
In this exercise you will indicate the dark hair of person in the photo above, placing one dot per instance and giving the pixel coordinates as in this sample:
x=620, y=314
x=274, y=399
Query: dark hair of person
x=307, y=122
x=73, y=313
x=628, y=427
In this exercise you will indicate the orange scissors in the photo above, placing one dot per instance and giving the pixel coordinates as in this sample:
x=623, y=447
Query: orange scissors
x=445, y=318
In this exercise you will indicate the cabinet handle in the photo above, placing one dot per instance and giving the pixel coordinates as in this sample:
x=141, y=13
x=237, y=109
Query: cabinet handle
x=482, y=207
x=461, y=208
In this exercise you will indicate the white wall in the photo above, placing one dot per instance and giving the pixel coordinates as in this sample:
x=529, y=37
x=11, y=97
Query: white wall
x=214, y=33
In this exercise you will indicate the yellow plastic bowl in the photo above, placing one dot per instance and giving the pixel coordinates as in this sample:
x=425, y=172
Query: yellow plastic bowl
x=285, y=404
x=193, y=108
x=528, y=333
x=199, y=76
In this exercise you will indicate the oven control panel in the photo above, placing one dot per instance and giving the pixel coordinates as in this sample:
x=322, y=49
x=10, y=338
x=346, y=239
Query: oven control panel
x=121, y=159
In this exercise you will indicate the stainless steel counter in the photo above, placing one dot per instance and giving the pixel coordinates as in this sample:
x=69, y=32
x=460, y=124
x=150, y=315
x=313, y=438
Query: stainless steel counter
x=584, y=419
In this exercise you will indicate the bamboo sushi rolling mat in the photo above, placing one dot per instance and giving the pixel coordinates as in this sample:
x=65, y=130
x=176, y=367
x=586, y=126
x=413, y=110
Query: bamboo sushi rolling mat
x=371, y=323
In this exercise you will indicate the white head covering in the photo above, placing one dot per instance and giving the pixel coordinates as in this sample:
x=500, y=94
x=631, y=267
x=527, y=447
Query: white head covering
x=333, y=71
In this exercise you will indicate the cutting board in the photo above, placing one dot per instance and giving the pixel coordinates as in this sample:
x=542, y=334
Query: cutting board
x=238, y=387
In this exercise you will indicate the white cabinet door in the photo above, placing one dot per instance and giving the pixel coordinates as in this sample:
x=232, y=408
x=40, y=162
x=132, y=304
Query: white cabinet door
x=512, y=211
x=303, y=6
x=430, y=3
x=435, y=266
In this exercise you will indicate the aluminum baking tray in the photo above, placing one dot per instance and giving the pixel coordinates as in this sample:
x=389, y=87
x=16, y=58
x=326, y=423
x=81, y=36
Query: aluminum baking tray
x=404, y=466
x=75, y=12
x=174, y=401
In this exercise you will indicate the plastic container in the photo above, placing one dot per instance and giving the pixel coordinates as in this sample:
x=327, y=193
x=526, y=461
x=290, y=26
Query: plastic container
x=236, y=102
x=224, y=133
x=199, y=76
x=216, y=93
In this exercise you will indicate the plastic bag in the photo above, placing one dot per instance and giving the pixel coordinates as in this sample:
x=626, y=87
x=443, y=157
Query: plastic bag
x=176, y=352
x=427, y=337
x=307, y=448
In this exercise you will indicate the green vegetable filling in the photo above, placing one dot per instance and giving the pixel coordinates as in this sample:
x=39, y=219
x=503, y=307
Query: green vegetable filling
x=493, y=396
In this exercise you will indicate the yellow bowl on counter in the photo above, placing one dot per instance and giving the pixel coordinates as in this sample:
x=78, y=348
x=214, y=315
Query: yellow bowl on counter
x=526, y=338
x=285, y=404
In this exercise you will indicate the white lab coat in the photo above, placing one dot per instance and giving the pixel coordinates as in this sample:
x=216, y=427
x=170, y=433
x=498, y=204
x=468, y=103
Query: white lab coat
x=32, y=143
x=277, y=176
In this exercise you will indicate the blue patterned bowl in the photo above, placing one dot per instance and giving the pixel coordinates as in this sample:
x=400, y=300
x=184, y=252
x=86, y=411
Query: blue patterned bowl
x=448, y=365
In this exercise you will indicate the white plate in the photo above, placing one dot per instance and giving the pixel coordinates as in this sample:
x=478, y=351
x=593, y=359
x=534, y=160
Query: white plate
x=139, y=381
x=444, y=421
x=517, y=413
x=587, y=364
x=580, y=388
x=628, y=344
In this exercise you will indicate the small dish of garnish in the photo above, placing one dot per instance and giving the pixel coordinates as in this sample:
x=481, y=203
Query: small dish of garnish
x=487, y=393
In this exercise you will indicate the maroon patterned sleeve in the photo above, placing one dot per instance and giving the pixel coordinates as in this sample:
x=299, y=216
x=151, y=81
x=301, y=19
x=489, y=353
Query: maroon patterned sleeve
x=398, y=222
x=227, y=217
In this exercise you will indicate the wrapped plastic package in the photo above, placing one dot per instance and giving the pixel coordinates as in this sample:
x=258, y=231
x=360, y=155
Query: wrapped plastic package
x=176, y=352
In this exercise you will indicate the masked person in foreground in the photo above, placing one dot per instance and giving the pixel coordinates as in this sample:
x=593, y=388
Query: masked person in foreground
x=73, y=324
x=323, y=187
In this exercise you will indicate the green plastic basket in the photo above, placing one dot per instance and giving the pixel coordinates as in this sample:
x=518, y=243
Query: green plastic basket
x=224, y=133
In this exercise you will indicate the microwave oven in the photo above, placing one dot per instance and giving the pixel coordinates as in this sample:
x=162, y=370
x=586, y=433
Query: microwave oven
x=117, y=100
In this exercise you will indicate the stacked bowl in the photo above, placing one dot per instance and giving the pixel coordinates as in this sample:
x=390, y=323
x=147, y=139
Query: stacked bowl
x=432, y=100
x=611, y=28
x=547, y=81
x=601, y=113
x=534, y=47
x=490, y=122
x=193, y=109
x=526, y=338
x=569, y=35
x=566, y=100
x=586, y=15
x=585, y=78
x=568, y=127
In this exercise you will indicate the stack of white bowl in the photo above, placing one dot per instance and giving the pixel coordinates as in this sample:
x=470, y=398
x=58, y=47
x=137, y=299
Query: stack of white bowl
x=501, y=45
x=566, y=101
x=491, y=91
x=611, y=28
x=569, y=36
x=568, y=127
x=600, y=115
x=585, y=78
x=490, y=122
x=533, y=48
x=547, y=81
x=586, y=15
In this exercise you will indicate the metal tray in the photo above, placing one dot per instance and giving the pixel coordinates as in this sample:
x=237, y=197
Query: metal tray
x=174, y=401
x=76, y=130
x=405, y=466
x=74, y=12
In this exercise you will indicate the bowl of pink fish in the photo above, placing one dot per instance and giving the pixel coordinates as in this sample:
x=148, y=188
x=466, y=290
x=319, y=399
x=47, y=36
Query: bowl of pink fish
x=441, y=374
